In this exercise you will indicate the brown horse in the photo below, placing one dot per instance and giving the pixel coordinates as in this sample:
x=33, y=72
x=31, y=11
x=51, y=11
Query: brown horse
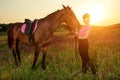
x=42, y=36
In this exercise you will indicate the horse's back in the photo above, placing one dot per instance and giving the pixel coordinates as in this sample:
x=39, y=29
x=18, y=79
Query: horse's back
x=13, y=28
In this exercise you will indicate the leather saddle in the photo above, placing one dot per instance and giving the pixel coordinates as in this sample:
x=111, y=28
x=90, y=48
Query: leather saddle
x=29, y=26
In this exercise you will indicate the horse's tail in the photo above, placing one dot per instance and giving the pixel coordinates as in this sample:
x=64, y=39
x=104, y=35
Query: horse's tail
x=9, y=42
x=13, y=29
x=9, y=34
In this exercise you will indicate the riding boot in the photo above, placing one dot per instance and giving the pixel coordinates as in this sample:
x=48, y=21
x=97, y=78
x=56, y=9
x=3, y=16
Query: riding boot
x=92, y=67
x=84, y=66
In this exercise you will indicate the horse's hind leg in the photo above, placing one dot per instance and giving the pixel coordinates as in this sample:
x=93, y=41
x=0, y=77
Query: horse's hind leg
x=18, y=48
x=45, y=49
x=37, y=50
x=13, y=45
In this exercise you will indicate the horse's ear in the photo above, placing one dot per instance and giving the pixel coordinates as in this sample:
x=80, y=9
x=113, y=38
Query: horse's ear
x=68, y=7
x=63, y=6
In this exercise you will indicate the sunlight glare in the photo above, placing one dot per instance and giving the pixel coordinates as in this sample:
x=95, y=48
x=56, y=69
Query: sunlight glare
x=96, y=11
x=97, y=14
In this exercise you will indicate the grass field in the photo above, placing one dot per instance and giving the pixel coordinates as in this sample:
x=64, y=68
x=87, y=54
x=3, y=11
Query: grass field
x=61, y=61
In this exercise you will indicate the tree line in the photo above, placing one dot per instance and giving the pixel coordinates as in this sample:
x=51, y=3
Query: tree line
x=3, y=27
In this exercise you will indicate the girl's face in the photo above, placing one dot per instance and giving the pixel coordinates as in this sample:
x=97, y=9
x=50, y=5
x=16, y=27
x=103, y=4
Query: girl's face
x=86, y=20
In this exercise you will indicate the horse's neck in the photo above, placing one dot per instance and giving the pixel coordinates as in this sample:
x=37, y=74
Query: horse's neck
x=54, y=23
x=49, y=25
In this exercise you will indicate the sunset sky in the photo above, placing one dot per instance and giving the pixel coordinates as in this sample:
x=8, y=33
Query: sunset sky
x=103, y=12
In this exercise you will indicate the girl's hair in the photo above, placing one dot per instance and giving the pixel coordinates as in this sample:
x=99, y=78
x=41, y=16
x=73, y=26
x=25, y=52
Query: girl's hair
x=86, y=15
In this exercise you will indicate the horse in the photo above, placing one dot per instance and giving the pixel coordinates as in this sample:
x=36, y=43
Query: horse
x=42, y=36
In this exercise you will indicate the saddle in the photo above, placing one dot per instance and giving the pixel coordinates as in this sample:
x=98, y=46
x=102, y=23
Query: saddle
x=29, y=27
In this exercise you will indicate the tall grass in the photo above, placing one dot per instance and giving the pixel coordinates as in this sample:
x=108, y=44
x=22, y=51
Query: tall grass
x=61, y=62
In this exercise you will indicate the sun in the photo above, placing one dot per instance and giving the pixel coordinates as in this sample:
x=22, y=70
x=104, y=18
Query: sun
x=96, y=11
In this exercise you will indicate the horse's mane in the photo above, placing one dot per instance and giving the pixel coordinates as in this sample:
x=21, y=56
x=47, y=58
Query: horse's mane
x=51, y=15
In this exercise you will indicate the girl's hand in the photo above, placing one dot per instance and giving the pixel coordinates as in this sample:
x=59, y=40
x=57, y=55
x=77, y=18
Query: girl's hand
x=76, y=32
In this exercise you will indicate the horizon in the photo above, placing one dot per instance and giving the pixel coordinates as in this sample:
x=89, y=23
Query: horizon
x=102, y=12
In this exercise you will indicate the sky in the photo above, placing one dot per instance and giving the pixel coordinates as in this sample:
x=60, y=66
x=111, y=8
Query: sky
x=103, y=12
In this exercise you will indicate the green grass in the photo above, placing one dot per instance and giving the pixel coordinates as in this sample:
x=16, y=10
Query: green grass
x=3, y=35
x=61, y=61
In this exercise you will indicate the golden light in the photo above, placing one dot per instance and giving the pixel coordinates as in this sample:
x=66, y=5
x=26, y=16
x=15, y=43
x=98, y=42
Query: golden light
x=96, y=11
x=97, y=14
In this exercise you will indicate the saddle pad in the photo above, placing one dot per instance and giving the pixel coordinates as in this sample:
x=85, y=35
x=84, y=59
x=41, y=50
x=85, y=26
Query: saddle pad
x=24, y=27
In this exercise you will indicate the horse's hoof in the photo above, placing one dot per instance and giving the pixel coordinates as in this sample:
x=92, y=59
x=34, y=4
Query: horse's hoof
x=43, y=67
x=17, y=65
x=33, y=68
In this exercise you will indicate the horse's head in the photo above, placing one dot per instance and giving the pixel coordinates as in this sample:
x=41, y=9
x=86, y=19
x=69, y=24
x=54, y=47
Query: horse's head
x=69, y=18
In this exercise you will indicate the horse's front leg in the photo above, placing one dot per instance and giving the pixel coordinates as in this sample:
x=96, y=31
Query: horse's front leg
x=37, y=50
x=45, y=49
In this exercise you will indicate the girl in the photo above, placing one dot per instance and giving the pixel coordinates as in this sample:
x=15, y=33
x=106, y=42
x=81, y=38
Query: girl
x=83, y=45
